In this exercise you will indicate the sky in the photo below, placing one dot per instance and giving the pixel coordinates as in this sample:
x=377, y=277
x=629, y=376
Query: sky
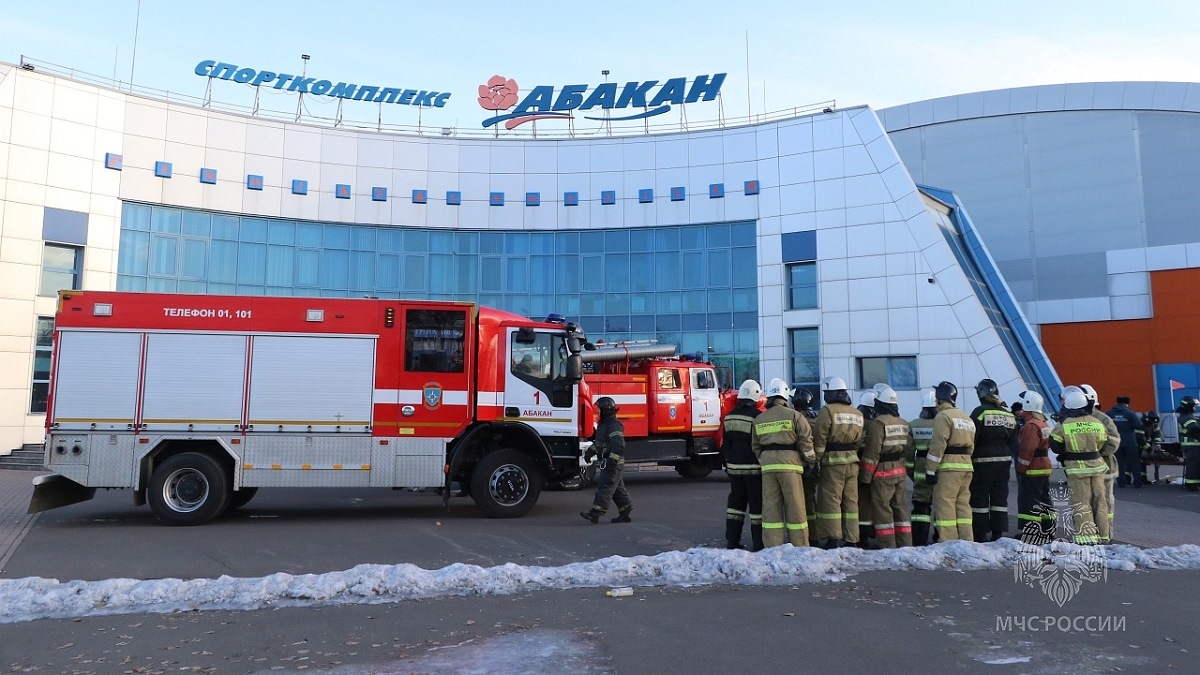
x=35, y=598
x=777, y=54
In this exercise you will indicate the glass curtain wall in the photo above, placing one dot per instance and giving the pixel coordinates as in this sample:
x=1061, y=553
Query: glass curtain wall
x=695, y=286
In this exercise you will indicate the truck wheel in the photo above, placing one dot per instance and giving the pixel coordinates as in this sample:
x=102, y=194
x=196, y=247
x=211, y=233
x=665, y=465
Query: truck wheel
x=505, y=484
x=240, y=498
x=694, y=468
x=188, y=489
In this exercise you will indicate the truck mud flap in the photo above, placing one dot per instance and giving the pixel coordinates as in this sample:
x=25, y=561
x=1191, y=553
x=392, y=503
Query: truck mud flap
x=52, y=491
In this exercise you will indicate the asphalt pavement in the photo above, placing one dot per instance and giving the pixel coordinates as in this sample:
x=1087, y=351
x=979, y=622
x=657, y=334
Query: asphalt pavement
x=935, y=622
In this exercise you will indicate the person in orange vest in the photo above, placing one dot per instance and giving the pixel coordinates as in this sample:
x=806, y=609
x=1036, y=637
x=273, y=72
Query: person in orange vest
x=948, y=466
x=1035, y=511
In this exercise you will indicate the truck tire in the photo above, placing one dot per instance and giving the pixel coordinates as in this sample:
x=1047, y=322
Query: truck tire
x=505, y=484
x=240, y=498
x=188, y=489
x=695, y=468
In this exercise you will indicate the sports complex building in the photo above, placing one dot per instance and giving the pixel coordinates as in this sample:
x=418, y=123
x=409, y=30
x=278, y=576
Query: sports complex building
x=983, y=235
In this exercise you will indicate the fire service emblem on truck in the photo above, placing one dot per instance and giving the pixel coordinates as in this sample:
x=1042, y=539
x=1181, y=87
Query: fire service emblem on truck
x=432, y=396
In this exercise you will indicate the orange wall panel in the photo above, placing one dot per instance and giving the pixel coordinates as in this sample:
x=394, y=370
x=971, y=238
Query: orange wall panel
x=1118, y=357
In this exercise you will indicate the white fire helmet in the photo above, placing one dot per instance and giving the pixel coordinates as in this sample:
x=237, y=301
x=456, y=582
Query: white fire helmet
x=929, y=400
x=1090, y=393
x=833, y=384
x=1067, y=391
x=1074, y=398
x=1030, y=401
x=778, y=387
x=885, y=394
x=867, y=398
x=750, y=391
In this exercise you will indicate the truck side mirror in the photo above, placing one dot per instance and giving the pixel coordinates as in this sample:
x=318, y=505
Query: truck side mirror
x=575, y=368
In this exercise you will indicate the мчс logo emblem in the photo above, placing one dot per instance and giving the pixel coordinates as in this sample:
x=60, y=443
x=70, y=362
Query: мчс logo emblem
x=431, y=396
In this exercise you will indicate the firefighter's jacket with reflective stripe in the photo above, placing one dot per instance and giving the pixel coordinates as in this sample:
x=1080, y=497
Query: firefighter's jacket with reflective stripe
x=1079, y=441
x=922, y=431
x=1033, y=457
x=953, y=441
x=837, y=432
x=609, y=440
x=735, y=445
x=1109, y=450
x=889, y=441
x=995, y=433
x=781, y=428
x=1189, y=430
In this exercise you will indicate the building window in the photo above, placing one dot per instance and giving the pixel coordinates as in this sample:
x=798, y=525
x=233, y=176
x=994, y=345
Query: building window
x=42, y=351
x=62, y=269
x=804, y=359
x=694, y=286
x=802, y=285
x=900, y=372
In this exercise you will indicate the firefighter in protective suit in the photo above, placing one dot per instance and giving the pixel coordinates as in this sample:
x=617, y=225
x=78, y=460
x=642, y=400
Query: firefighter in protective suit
x=608, y=443
x=995, y=445
x=782, y=441
x=836, y=434
x=1189, y=442
x=866, y=526
x=881, y=469
x=1109, y=451
x=1035, y=511
x=802, y=401
x=745, y=475
x=922, y=496
x=948, y=465
x=1078, y=440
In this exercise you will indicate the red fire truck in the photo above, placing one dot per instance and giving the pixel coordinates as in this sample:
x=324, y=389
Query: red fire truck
x=671, y=406
x=196, y=401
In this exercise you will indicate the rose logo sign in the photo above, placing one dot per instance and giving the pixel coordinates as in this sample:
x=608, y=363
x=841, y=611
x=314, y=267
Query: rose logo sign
x=501, y=94
x=498, y=93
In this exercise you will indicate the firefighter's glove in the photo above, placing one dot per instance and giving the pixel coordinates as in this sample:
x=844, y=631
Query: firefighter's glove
x=931, y=478
x=589, y=455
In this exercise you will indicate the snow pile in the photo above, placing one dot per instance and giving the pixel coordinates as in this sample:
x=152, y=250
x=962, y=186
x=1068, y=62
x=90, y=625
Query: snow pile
x=36, y=598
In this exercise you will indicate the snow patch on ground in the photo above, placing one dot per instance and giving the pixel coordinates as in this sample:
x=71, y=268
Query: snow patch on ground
x=1008, y=661
x=34, y=598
